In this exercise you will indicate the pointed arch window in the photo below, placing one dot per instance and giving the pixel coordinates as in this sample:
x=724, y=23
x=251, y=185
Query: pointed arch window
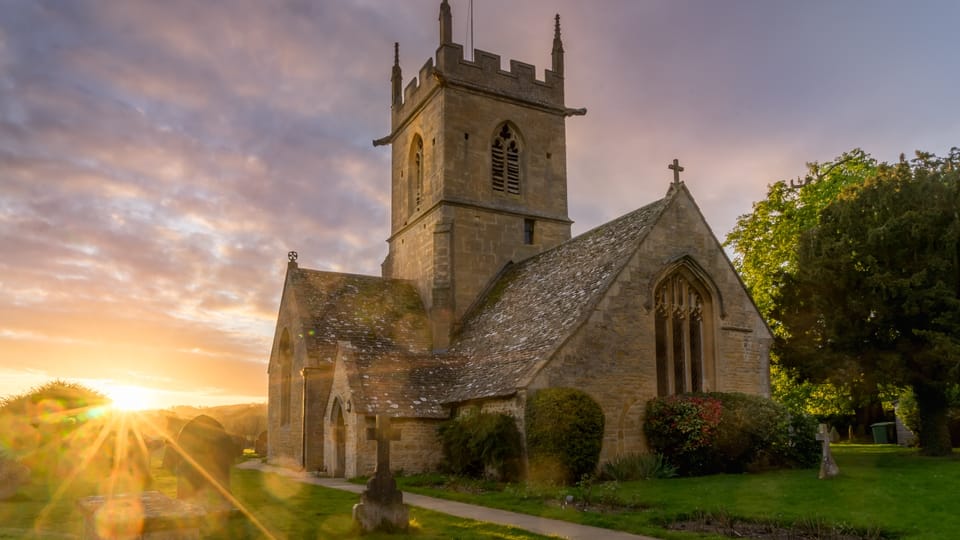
x=505, y=161
x=286, y=378
x=415, y=174
x=683, y=309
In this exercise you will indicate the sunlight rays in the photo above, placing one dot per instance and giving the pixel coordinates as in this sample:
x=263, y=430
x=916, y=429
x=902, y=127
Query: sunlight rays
x=100, y=449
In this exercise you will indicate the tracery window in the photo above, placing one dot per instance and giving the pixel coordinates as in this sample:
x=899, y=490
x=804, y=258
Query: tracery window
x=681, y=306
x=505, y=161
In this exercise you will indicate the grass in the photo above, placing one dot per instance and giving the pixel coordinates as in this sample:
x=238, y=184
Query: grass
x=284, y=507
x=880, y=487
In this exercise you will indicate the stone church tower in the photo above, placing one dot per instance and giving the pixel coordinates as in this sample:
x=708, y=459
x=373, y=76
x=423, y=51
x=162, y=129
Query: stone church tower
x=479, y=175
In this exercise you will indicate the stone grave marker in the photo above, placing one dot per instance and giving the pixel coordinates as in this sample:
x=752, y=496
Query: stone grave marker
x=381, y=504
x=206, y=454
x=828, y=467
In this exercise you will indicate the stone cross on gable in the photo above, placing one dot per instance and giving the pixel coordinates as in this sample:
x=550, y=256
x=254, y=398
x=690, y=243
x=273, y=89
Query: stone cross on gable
x=828, y=467
x=383, y=434
x=677, y=169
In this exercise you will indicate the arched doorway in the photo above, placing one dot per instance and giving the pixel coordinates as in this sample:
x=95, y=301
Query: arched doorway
x=339, y=440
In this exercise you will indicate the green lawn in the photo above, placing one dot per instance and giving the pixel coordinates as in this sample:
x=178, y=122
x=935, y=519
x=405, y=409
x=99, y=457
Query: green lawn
x=883, y=487
x=285, y=508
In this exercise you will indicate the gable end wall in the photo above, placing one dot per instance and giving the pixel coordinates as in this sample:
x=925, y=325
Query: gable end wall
x=612, y=355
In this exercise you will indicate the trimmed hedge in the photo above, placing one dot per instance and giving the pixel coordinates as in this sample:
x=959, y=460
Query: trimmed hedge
x=564, y=435
x=479, y=444
x=729, y=432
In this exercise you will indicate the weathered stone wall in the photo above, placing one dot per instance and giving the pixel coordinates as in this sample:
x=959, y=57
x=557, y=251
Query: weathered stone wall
x=613, y=357
x=285, y=441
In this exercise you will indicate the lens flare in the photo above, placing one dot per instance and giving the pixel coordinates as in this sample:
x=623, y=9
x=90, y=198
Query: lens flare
x=131, y=398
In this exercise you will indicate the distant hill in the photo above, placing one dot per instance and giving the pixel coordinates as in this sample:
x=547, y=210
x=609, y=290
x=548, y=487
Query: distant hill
x=245, y=420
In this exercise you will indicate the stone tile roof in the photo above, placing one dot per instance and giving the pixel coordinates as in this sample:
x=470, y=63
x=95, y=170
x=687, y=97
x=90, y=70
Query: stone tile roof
x=538, y=303
x=400, y=385
x=390, y=367
x=372, y=313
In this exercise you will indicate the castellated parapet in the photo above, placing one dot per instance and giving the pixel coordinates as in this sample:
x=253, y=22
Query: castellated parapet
x=483, y=75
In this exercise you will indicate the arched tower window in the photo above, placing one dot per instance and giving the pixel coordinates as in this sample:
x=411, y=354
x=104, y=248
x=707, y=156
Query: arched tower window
x=505, y=161
x=683, y=315
x=286, y=376
x=415, y=174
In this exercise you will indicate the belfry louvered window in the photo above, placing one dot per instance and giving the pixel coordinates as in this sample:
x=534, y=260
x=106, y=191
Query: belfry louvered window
x=680, y=308
x=505, y=161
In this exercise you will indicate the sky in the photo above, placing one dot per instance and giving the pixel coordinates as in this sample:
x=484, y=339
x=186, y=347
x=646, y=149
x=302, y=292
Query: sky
x=159, y=159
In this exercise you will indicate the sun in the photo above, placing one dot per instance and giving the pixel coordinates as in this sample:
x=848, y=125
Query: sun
x=131, y=398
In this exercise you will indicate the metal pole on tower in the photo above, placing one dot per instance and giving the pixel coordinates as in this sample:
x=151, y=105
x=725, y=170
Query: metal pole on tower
x=471, y=29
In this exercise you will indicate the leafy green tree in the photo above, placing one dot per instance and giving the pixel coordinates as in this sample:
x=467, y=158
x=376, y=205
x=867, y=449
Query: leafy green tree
x=766, y=243
x=876, y=290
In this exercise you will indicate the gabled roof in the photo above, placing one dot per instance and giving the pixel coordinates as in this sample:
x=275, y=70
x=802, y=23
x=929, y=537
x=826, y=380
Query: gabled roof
x=400, y=385
x=373, y=314
x=537, y=304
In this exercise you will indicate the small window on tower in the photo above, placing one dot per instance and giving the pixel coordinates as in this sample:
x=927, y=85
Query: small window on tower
x=505, y=161
x=415, y=177
x=528, y=225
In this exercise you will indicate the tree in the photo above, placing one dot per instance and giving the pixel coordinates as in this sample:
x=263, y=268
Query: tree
x=877, y=288
x=766, y=245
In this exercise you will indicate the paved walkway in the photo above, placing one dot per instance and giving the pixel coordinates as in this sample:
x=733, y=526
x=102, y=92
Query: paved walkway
x=539, y=525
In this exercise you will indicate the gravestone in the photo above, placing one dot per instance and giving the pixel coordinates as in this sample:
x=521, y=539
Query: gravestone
x=205, y=455
x=150, y=515
x=381, y=504
x=828, y=467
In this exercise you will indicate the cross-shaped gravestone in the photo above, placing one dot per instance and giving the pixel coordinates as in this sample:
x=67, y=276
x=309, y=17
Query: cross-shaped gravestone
x=677, y=169
x=381, y=504
x=828, y=467
x=383, y=434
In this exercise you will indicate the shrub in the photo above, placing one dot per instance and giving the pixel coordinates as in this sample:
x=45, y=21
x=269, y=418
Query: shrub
x=480, y=444
x=728, y=432
x=564, y=435
x=632, y=467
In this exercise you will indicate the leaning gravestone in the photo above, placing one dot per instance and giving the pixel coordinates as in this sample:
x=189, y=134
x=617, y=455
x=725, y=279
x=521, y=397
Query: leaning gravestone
x=381, y=504
x=828, y=467
x=206, y=454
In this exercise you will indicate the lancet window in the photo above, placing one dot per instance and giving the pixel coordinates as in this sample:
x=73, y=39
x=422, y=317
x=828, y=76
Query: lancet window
x=505, y=161
x=286, y=378
x=416, y=174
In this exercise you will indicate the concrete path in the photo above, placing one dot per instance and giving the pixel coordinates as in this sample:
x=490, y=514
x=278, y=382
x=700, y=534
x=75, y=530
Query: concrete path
x=539, y=525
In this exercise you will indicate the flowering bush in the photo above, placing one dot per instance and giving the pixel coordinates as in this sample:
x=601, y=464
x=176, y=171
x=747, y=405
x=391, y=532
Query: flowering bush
x=727, y=432
x=683, y=429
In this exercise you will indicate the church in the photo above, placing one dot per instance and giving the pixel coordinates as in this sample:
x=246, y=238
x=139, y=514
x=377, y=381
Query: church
x=485, y=298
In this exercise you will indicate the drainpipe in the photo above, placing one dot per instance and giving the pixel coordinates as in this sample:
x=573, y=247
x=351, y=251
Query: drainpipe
x=303, y=421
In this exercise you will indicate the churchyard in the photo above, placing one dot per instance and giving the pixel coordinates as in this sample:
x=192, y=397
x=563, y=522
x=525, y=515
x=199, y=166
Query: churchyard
x=883, y=491
x=283, y=507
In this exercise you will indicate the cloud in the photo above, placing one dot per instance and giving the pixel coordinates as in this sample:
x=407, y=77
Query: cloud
x=158, y=159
